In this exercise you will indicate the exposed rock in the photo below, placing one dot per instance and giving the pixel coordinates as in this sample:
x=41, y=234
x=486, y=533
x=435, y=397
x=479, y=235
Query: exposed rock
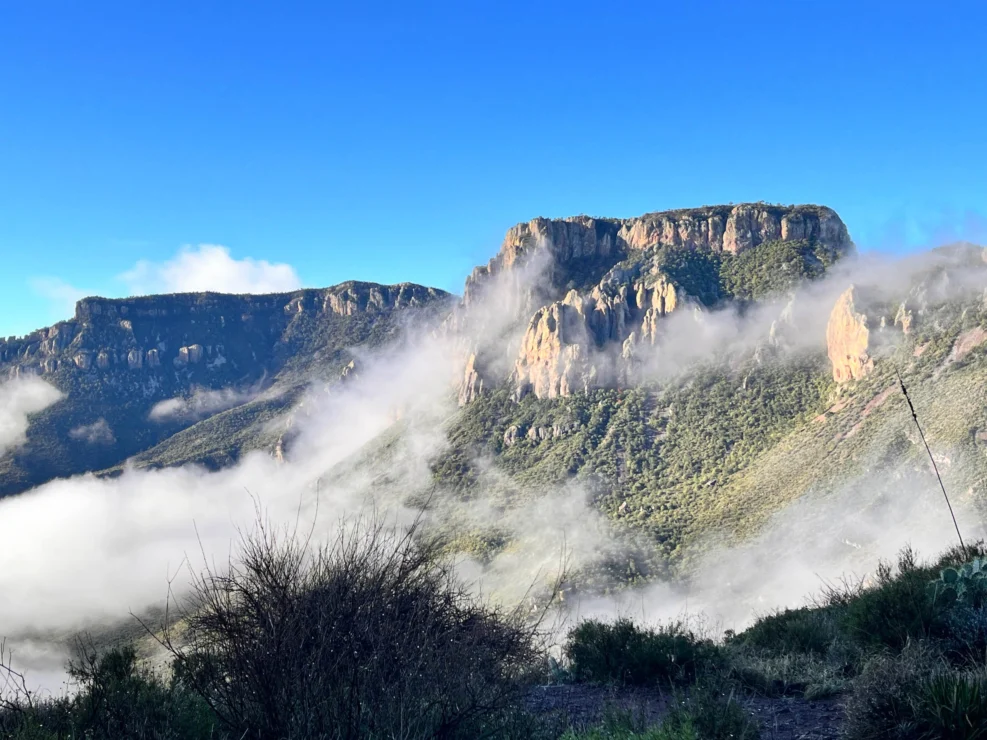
x=556, y=335
x=719, y=228
x=133, y=328
x=472, y=385
x=585, y=342
x=966, y=343
x=903, y=319
x=847, y=339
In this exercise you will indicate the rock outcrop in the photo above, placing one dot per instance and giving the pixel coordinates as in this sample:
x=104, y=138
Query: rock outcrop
x=560, y=298
x=847, y=340
x=572, y=242
x=588, y=341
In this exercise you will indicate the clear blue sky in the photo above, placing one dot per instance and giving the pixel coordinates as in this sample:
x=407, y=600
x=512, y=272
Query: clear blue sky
x=395, y=142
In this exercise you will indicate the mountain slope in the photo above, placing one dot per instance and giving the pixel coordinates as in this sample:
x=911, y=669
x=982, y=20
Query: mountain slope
x=137, y=371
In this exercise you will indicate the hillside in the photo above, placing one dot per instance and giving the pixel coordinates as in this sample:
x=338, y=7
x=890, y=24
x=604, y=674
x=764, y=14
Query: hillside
x=141, y=372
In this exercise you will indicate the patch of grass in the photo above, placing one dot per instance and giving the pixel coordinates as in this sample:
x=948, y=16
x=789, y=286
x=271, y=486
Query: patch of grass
x=704, y=714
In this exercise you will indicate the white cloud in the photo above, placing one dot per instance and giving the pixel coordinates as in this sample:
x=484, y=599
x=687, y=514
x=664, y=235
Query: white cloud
x=18, y=399
x=210, y=267
x=62, y=295
x=202, y=403
x=98, y=432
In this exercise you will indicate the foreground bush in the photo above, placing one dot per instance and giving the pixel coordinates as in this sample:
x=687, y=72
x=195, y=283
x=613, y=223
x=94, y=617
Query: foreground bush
x=917, y=695
x=371, y=637
x=622, y=652
x=115, y=698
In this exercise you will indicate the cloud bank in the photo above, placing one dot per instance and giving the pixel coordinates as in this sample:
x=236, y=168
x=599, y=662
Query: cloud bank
x=210, y=267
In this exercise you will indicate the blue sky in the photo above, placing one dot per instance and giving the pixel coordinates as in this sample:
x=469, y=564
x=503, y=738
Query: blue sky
x=398, y=141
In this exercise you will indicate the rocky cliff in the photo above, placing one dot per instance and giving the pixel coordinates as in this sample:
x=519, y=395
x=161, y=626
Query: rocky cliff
x=572, y=242
x=579, y=295
x=141, y=370
x=194, y=329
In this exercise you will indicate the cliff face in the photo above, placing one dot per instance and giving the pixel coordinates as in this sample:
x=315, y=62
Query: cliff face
x=586, y=292
x=154, y=333
x=565, y=347
x=722, y=229
x=117, y=361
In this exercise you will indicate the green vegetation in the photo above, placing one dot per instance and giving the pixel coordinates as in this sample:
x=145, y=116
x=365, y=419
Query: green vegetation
x=622, y=652
x=773, y=268
x=116, y=698
x=654, y=457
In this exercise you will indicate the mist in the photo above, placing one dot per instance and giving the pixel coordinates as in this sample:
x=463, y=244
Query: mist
x=20, y=397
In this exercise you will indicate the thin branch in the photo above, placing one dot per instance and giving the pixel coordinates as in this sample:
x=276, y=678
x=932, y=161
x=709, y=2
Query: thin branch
x=935, y=467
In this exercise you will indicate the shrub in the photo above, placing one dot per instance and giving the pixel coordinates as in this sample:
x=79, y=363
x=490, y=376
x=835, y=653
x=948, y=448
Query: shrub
x=952, y=706
x=794, y=674
x=622, y=652
x=898, y=608
x=713, y=714
x=883, y=701
x=115, y=697
x=369, y=637
x=792, y=631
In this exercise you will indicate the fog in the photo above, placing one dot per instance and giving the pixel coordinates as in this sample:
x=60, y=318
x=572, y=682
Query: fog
x=87, y=551
x=20, y=397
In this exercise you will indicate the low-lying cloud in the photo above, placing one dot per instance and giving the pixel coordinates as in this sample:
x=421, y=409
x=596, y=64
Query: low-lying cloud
x=202, y=402
x=97, y=433
x=19, y=398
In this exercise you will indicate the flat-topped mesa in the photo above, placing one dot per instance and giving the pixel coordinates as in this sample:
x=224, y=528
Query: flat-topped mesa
x=730, y=228
x=188, y=329
x=344, y=299
x=566, y=288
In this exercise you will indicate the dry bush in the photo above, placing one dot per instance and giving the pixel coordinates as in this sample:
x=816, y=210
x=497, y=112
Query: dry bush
x=371, y=636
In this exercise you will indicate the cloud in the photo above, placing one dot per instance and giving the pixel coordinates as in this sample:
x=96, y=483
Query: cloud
x=61, y=295
x=98, y=432
x=18, y=399
x=202, y=403
x=210, y=267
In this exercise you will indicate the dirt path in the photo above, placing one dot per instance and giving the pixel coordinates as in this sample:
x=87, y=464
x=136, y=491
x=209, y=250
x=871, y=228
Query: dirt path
x=780, y=719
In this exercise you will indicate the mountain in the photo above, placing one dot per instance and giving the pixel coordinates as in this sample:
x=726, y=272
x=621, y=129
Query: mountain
x=142, y=372
x=690, y=372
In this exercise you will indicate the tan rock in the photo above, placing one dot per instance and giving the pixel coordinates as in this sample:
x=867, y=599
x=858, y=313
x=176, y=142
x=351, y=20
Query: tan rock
x=847, y=338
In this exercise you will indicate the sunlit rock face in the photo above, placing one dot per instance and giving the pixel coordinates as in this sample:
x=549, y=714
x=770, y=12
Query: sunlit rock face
x=847, y=340
x=547, y=308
